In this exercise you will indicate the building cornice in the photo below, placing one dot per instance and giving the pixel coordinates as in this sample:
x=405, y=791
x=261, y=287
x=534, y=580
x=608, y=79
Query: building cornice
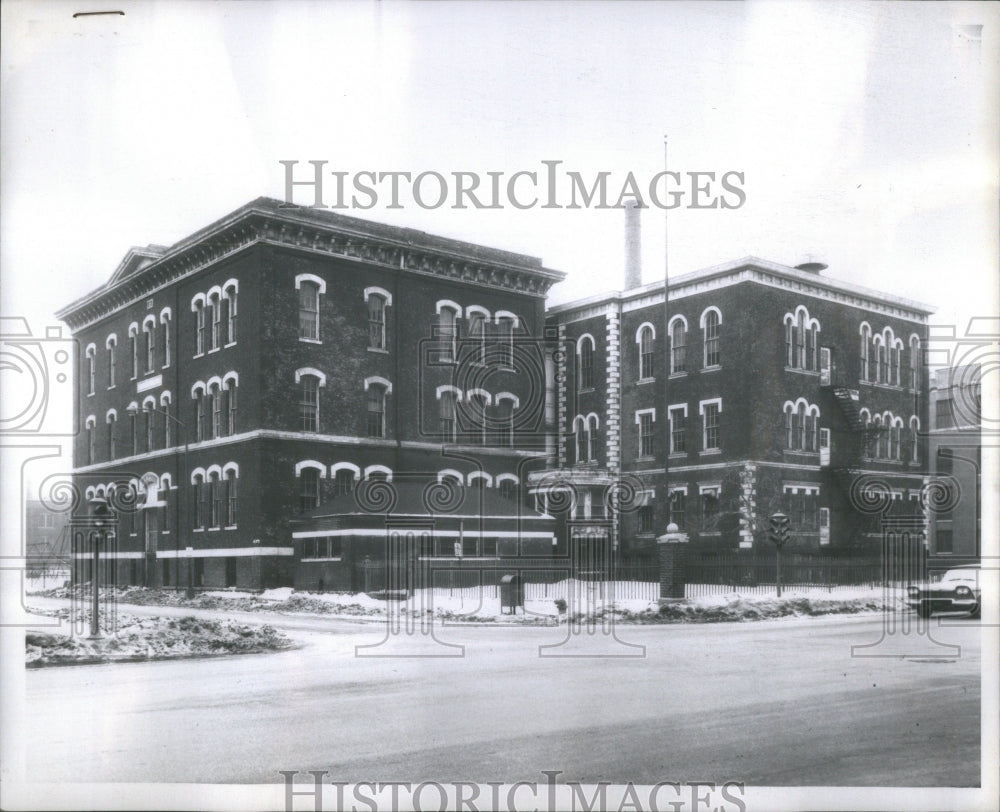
x=748, y=269
x=265, y=221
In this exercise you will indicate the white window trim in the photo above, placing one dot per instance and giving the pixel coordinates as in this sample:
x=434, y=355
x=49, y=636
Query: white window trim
x=378, y=469
x=705, y=312
x=804, y=488
x=640, y=412
x=473, y=310
x=502, y=396
x=377, y=291
x=310, y=277
x=111, y=340
x=111, y=413
x=714, y=488
x=449, y=388
x=450, y=472
x=378, y=380
x=500, y=315
x=299, y=466
x=312, y=371
x=703, y=403
x=448, y=304
x=486, y=396
x=233, y=467
x=643, y=326
x=507, y=478
x=337, y=467
x=580, y=340
x=479, y=475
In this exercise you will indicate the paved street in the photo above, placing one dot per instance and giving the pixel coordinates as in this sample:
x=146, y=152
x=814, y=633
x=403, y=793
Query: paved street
x=769, y=703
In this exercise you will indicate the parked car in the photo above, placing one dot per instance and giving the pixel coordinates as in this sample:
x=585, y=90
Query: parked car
x=957, y=591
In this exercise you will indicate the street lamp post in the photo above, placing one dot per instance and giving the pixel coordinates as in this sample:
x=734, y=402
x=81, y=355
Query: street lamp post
x=101, y=517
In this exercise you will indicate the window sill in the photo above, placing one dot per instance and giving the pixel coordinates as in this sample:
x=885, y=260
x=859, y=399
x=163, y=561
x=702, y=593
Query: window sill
x=585, y=391
x=310, y=340
x=214, y=349
x=677, y=455
x=195, y=530
x=380, y=351
x=802, y=371
x=90, y=394
x=710, y=533
x=798, y=452
x=646, y=458
x=710, y=452
x=196, y=355
x=229, y=527
x=643, y=381
x=677, y=375
x=214, y=529
x=111, y=387
x=713, y=368
x=315, y=560
x=228, y=344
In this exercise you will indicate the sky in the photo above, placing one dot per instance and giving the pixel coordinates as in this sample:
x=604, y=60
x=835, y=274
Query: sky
x=865, y=134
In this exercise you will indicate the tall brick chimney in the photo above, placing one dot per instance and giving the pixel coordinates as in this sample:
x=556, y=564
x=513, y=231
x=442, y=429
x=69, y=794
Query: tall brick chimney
x=633, y=245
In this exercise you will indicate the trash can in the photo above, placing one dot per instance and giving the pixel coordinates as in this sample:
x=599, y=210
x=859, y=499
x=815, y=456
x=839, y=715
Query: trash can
x=511, y=594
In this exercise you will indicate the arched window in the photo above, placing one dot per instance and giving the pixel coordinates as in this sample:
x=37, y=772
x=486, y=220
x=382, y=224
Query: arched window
x=165, y=320
x=505, y=340
x=678, y=345
x=167, y=419
x=309, y=310
x=309, y=496
x=592, y=426
x=477, y=403
x=217, y=412
x=216, y=304
x=914, y=362
x=198, y=496
x=585, y=363
x=895, y=432
x=447, y=331
x=200, y=328
x=376, y=322
x=914, y=439
x=580, y=436
x=148, y=410
x=91, y=364
x=133, y=427
x=866, y=341
x=215, y=500
x=112, y=420
x=309, y=403
x=446, y=412
x=149, y=343
x=879, y=437
x=508, y=488
x=645, y=342
x=478, y=318
x=376, y=410
x=230, y=479
x=230, y=294
x=344, y=482
x=505, y=422
x=112, y=345
x=230, y=385
x=91, y=425
x=711, y=325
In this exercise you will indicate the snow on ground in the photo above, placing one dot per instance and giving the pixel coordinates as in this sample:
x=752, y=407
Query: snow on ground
x=153, y=638
x=555, y=603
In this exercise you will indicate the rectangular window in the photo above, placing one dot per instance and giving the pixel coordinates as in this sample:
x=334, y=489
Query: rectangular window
x=505, y=342
x=216, y=412
x=447, y=415
x=199, y=418
x=111, y=365
x=943, y=538
x=150, y=336
x=90, y=372
x=91, y=432
x=505, y=424
x=308, y=489
x=166, y=343
x=586, y=364
x=646, y=354
x=678, y=444
x=677, y=508
x=477, y=332
x=309, y=404
x=231, y=322
x=150, y=443
x=167, y=420
x=709, y=507
x=216, y=497
x=199, y=510
x=133, y=431
x=344, y=482
x=133, y=343
x=232, y=408
x=645, y=515
x=216, y=323
x=111, y=438
x=376, y=411
x=646, y=434
x=678, y=348
x=206, y=503
x=309, y=311
x=711, y=438
x=231, y=511
x=944, y=415
x=201, y=330
x=712, y=341
x=376, y=322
